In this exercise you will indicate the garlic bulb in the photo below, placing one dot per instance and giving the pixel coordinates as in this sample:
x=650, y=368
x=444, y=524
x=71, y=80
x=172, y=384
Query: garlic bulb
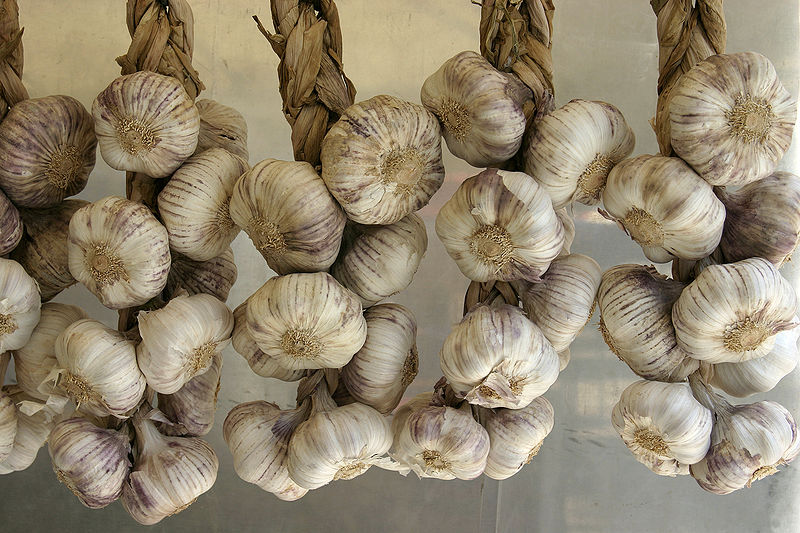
x=732, y=312
x=33, y=429
x=635, y=303
x=34, y=362
x=496, y=357
x=573, y=148
x=664, y=427
x=221, y=126
x=192, y=407
x=515, y=436
x=8, y=425
x=500, y=225
x=195, y=204
x=47, y=146
x=43, y=250
x=20, y=305
x=91, y=461
x=379, y=373
x=215, y=276
x=260, y=363
x=289, y=215
x=562, y=303
x=146, y=122
x=748, y=442
x=376, y=262
x=480, y=108
x=119, y=251
x=97, y=367
x=180, y=340
x=306, y=321
x=731, y=118
x=383, y=159
x=169, y=473
x=762, y=219
x=10, y=225
x=665, y=207
x=336, y=442
x=257, y=434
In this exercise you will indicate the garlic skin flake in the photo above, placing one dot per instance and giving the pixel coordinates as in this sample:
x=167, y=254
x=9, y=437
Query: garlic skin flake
x=663, y=425
x=500, y=225
x=383, y=159
x=32, y=432
x=259, y=362
x=169, y=474
x=47, y=146
x=20, y=305
x=221, y=126
x=8, y=425
x=306, y=321
x=119, y=251
x=496, y=357
x=573, y=148
x=91, y=461
x=731, y=313
x=146, y=122
x=180, y=340
x=192, y=407
x=731, y=118
x=480, y=108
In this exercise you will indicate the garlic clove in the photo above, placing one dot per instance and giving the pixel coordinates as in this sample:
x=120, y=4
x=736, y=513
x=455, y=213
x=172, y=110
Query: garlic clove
x=8, y=425
x=145, y=122
x=33, y=428
x=383, y=159
x=221, y=126
x=20, y=305
x=259, y=362
x=215, y=276
x=10, y=225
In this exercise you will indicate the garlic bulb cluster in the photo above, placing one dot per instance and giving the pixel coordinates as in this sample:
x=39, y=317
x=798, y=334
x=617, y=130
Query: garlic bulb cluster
x=221, y=126
x=20, y=305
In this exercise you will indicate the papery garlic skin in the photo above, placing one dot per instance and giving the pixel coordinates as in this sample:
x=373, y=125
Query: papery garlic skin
x=376, y=262
x=91, y=461
x=32, y=432
x=515, y=436
x=221, y=126
x=306, y=321
x=383, y=159
x=169, y=474
x=573, y=148
x=10, y=225
x=146, y=122
x=215, y=276
x=731, y=119
x=496, y=357
x=663, y=425
x=500, y=225
x=259, y=362
x=192, y=407
x=288, y=213
x=119, y=251
x=8, y=425
x=480, y=108
x=20, y=305
x=732, y=312
x=387, y=363
x=180, y=340
x=47, y=146
x=257, y=434
x=98, y=370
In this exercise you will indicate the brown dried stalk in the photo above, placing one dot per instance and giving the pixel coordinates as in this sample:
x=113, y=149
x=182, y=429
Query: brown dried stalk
x=11, y=57
x=688, y=32
x=313, y=85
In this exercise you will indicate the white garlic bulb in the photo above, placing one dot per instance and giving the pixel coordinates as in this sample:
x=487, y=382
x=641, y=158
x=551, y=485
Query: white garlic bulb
x=221, y=126
x=731, y=118
x=195, y=204
x=376, y=262
x=289, y=215
x=257, y=434
x=665, y=207
x=480, y=108
x=573, y=148
x=500, y=225
x=91, y=461
x=379, y=373
x=732, y=312
x=515, y=436
x=20, y=305
x=192, y=407
x=169, y=473
x=383, y=159
x=146, y=122
x=215, y=276
x=119, y=251
x=496, y=357
x=98, y=370
x=663, y=425
x=8, y=425
x=259, y=362
x=180, y=340
x=33, y=428
x=306, y=321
